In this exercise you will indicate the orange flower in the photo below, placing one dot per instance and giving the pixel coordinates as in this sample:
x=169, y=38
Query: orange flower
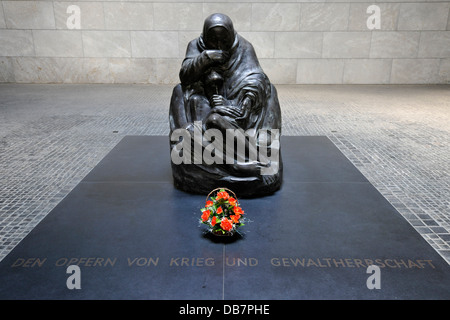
x=238, y=210
x=235, y=218
x=205, y=215
x=213, y=221
x=222, y=195
x=219, y=210
x=209, y=203
x=232, y=201
x=226, y=224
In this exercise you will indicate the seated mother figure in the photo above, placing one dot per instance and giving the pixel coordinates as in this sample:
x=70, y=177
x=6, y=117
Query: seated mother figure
x=223, y=87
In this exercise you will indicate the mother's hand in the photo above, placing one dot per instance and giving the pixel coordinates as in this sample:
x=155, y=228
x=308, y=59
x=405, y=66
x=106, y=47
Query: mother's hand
x=223, y=107
x=217, y=56
x=229, y=111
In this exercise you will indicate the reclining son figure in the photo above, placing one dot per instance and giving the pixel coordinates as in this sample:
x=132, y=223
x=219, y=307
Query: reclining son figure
x=224, y=109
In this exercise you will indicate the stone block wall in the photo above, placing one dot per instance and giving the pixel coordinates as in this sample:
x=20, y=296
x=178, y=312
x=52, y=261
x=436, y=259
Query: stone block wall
x=297, y=42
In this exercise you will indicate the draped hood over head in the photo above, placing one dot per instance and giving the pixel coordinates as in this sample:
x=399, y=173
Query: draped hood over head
x=241, y=73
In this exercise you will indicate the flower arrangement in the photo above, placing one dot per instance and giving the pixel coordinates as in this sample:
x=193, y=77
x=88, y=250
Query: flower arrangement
x=222, y=214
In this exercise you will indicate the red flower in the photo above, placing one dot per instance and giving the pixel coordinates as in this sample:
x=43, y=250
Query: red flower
x=226, y=224
x=232, y=201
x=213, y=221
x=205, y=215
x=235, y=218
x=219, y=210
x=222, y=195
x=238, y=210
x=209, y=203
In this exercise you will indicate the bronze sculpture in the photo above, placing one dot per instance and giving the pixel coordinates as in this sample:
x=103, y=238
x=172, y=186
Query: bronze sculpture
x=223, y=91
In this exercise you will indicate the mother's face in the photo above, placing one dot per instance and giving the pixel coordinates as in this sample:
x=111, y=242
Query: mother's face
x=218, y=38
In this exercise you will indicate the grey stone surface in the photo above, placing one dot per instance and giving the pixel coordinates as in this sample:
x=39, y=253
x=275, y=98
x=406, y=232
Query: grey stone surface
x=154, y=44
x=394, y=44
x=434, y=44
x=128, y=15
x=346, y=45
x=275, y=17
x=288, y=29
x=321, y=71
x=280, y=70
x=2, y=19
x=239, y=11
x=263, y=42
x=106, y=44
x=51, y=136
x=444, y=71
x=178, y=16
x=58, y=43
x=29, y=14
x=298, y=45
x=6, y=70
x=415, y=71
x=16, y=43
x=324, y=16
x=423, y=16
x=366, y=71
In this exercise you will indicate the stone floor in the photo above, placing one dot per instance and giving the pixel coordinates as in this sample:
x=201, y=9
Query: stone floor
x=51, y=136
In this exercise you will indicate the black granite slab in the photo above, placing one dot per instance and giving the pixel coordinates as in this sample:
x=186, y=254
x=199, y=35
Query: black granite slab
x=136, y=237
